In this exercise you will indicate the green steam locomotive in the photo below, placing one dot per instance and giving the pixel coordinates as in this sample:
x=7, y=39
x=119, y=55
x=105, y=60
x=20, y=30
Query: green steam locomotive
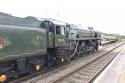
x=31, y=44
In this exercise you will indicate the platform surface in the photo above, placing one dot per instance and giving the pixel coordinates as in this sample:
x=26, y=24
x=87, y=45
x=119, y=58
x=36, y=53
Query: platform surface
x=115, y=72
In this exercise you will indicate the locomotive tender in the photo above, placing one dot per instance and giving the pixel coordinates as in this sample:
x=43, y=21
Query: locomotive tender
x=32, y=44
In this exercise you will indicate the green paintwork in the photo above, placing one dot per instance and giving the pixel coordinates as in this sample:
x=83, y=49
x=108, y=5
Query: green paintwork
x=22, y=42
x=111, y=38
x=84, y=33
x=99, y=35
x=50, y=40
x=59, y=40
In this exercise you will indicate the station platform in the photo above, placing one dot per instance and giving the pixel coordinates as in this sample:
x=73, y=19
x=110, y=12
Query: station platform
x=115, y=72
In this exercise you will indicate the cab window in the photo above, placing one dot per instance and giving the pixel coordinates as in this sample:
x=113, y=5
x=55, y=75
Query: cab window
x=62, y=31
x=59, y=30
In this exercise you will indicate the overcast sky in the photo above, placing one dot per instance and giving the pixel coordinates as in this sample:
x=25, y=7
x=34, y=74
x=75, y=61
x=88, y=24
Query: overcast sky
x=104, y=15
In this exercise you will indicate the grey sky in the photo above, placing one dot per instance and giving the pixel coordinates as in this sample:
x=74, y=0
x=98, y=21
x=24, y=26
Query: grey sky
x=104, y=15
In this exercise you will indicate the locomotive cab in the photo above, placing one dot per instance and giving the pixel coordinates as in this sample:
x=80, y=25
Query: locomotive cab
x=59, y=35
x=55, y=33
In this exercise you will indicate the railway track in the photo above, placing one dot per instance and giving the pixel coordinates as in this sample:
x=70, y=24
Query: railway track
x=84, y=72
x=44, y=76
x=90, y=71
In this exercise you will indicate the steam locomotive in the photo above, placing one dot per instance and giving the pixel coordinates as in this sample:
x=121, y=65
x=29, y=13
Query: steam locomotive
x=31, y=44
